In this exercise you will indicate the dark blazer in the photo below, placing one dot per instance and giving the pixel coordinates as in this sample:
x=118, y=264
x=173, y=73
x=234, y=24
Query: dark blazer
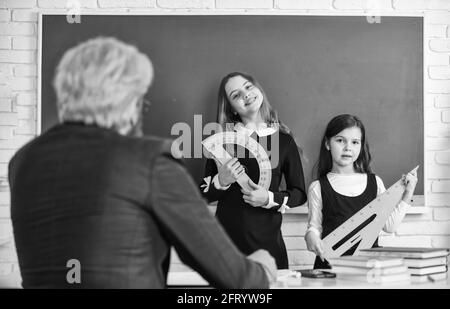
x=117, y=204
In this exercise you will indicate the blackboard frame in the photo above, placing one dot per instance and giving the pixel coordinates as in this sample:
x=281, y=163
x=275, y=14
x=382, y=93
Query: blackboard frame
x=366, y=14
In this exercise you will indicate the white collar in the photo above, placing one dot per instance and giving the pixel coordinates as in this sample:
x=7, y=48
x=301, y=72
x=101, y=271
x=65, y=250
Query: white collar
x=261, y=130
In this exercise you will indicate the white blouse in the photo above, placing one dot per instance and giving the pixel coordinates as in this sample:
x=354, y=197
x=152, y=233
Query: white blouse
x=348, y=185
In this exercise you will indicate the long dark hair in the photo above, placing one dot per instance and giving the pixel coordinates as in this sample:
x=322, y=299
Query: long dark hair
x=341, y=122
x=226, y=115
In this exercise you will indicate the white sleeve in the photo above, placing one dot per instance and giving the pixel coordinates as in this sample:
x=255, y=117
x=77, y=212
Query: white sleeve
x=380, y=186
x=397, y=214
x=272, y=203
x=315, y=208
x=217, y=185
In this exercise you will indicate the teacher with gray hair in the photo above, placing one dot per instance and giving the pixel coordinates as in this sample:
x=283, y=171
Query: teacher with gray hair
x=93, y=193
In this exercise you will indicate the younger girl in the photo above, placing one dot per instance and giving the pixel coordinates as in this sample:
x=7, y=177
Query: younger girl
x=346, y=184
x=253, y=218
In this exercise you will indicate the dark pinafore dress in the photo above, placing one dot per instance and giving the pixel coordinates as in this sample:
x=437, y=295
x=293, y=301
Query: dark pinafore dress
x=337, y=208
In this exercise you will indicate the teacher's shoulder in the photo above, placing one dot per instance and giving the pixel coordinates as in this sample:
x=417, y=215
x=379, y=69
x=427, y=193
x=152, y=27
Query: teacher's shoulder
x=160, y=146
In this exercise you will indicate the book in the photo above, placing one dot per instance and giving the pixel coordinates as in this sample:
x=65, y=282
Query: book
x=428, y=270
x=402, y=277
x=340, y=270
x=428, y=278
x=419, y=263
x=405, y=252
x=363, y=261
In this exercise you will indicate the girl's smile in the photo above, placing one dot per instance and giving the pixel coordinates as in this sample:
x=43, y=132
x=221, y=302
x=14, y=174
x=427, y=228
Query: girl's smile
x=244, y=97
x=250, y=100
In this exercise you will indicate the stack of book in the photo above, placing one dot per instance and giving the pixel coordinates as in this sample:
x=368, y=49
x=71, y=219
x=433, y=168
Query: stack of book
x=369, y=269
x=424, y=264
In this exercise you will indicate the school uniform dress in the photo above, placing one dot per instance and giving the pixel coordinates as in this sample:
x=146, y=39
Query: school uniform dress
x=252, y=228
x=335, y=198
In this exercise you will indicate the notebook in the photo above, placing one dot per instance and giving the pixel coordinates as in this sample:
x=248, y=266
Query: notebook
x=405, y=252
x=428, y=270
x=365, y=261
x=372, y=271
x=419, y=263
x=428, y=278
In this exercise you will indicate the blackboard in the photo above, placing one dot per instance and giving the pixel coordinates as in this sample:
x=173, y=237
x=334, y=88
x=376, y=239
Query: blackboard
x=311, y=68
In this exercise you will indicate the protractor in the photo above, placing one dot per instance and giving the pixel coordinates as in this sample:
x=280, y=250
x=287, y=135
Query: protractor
x=215, y=144
x=362, y=229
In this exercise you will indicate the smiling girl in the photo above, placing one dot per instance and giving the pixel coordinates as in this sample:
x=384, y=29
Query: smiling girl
x=346, y=184
x=252, y=218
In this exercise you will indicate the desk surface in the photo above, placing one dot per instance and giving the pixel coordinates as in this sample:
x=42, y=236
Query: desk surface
x=192, y=279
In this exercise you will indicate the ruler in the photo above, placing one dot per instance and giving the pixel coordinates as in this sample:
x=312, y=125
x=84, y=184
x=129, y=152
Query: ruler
x=216, y=145
x=363, y=228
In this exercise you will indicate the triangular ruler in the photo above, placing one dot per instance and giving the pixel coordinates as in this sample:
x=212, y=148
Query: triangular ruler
x=215, y=145
x=365, y=226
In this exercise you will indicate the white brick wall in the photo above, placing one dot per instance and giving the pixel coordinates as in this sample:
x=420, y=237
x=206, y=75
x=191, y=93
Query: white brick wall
x=24, y=42
x=376, y=5
x=440, y=45
x=247, y=4
x=18, y=90
x=443, y=157
x=437, y=72
x=423, y=228
x=442, y=214
x=5, y=15
x=304, y=4
x=26, y=99
x=14, y=4
x=441, y=242
x=438, y=143
x=436, y=58
x=15, y=56
x=5, y=70
x=24, y=15
x=405, y=241
x=126, y=3
x=442, y=101
x=437, y=199
x=23, y=70
x=5, y=42
x=185, y=4
x=446, y=116
x=441, y=186
x=58, y=4
x=5, y=104
x=15, y=28
x=421, y=4
x=436, y=31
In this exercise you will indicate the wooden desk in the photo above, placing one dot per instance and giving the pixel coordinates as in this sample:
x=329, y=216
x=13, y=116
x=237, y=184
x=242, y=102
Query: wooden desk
x=192, y=279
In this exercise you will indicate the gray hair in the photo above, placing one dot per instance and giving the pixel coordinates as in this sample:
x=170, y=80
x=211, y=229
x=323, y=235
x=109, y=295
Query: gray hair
x=101, y=82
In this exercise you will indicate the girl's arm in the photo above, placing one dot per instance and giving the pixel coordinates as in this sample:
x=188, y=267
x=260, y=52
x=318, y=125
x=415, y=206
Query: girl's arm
x=210, y=186
x=197, y=237
x=315, y=209
x=295, y=193
x=313, y=234
x=397, y=215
